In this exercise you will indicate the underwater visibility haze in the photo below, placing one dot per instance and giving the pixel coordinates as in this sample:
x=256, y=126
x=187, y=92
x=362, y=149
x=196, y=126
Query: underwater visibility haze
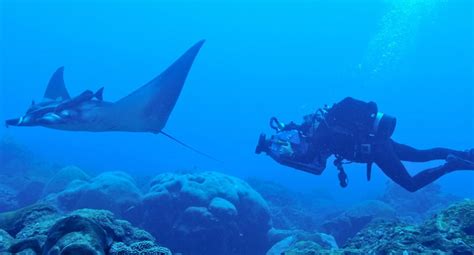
x=127, y=192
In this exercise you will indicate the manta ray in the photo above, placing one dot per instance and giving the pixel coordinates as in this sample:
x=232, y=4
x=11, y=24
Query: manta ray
x=147, y=109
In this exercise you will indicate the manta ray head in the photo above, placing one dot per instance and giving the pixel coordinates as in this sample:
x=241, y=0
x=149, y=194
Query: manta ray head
x=31, y=120
x=42, y=114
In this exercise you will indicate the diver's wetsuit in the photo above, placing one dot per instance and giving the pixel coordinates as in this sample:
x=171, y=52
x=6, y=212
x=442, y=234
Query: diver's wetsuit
x=349, y=124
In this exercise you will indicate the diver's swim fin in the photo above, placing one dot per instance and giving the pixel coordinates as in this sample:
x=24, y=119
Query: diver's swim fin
x=456, y=163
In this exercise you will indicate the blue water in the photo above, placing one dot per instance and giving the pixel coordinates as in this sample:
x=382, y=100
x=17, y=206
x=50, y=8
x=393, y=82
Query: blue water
x=261, y=59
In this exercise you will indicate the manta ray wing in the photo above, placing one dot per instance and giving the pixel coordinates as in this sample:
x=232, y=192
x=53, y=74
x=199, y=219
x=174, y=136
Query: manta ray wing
x=56, y=89
x=148, y=108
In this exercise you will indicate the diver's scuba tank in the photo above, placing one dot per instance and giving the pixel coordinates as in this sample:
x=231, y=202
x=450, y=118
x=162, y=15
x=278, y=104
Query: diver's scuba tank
x=384, y=125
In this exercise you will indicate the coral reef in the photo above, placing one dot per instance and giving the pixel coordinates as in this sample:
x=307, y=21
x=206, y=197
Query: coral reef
x=354, y=219
x=23, y=222
x=206, y=213
x=295, y=210
x=16, y=160
x=8, y=199
x=17, y=192
x=141, y=247
x=213, y=213
x=30, y=193
x=451, y=231
x=41, y=229
x=195, y=213
x=416, y=206
x=5, y=240
x=63, y=178
x=301, y=242
x=113, y=191
x=22, y=175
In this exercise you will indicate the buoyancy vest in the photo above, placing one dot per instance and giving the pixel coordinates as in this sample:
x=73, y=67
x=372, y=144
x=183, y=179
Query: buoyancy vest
x=351, y=123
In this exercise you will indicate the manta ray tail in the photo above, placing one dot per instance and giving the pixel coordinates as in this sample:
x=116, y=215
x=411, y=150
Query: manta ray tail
x=189, y=147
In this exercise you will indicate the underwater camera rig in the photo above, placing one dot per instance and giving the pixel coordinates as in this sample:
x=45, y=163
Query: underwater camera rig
x=281, y=146
x=287, y=146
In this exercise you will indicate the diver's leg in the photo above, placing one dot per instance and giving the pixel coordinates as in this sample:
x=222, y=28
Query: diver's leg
x=407, y=153
x=388, y=161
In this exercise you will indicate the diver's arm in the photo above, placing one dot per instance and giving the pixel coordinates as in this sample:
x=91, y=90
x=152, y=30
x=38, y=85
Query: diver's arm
x=303, y=127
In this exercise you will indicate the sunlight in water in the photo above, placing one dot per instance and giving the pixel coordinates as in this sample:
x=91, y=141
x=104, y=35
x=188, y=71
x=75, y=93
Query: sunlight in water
x=398, y=31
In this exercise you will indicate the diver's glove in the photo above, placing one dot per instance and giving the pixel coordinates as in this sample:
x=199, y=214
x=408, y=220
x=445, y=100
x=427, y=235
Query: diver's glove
x=285, y=149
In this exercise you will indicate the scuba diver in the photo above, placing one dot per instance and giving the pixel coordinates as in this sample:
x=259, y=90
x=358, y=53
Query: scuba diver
x=355, y=131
